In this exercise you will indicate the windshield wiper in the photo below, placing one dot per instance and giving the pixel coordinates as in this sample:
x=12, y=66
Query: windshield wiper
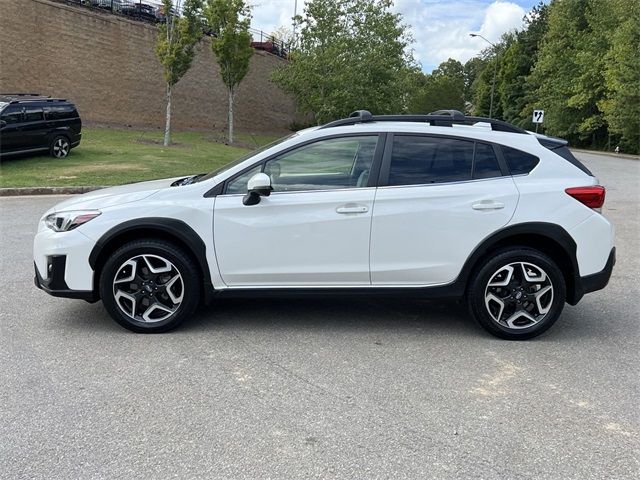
x=187, y=180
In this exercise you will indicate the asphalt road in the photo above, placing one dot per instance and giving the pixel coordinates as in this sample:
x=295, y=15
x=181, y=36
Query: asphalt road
x=350, y=388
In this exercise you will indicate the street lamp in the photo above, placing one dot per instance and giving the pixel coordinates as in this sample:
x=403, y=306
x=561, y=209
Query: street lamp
x=495, y=68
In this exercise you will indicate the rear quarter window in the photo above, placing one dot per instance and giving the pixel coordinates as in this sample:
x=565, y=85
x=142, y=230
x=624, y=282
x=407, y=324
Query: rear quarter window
x=61, y=112
x=519, y=162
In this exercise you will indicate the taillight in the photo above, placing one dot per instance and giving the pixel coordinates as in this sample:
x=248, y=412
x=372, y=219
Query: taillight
x=592, y=197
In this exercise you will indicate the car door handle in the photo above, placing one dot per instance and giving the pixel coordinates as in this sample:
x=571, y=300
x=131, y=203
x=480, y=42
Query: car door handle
x=352, y=208
x=487, y=205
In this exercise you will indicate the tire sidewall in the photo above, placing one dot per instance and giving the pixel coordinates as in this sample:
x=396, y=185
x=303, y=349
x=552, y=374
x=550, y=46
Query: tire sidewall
x=182, y=262
x=483, y=275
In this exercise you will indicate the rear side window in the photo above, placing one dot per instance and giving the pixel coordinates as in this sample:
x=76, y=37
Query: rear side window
x=419, y=160
x=12, y=115
x=33, y=114
x=485, y=164
x=60, y=112
x=519, y=162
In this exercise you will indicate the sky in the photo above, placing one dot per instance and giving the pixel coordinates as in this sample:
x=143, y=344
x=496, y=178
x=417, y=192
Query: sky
x=440, y=27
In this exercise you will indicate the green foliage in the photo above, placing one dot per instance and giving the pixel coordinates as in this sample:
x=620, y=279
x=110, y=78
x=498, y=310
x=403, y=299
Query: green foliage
x=352, y=54
x=177, y=38
x=576, y=59
x=443, y=89
x=230, y=19
x=621, y=103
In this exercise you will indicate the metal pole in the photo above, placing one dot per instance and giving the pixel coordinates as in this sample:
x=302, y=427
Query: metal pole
x=295, y=13
x=493, y=85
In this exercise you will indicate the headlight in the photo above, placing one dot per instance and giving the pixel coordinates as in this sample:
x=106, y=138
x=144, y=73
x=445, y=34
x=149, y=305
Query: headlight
x=65, y=221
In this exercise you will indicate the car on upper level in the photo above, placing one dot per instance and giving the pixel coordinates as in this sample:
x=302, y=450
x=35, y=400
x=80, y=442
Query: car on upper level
x=32, y=123
x=438, y=205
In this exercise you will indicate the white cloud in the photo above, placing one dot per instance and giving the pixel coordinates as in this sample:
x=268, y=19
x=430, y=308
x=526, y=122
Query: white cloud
x=440, y=27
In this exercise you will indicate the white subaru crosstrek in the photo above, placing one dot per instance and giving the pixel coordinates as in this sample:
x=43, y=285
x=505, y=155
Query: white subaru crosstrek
x=438, y=205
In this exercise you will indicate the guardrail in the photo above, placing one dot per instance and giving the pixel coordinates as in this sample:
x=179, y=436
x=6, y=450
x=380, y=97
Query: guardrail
x=152, y=13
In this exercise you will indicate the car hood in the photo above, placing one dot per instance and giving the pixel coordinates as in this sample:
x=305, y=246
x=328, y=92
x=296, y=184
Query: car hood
x=109, y=197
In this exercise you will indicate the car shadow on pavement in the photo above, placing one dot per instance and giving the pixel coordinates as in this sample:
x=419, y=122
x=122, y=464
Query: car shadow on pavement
x=344, y=314
x=305, y=314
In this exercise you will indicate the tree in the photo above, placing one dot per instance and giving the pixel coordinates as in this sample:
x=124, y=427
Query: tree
x=177, y=38
x=231, y=45
x=442, y=89
x=351, y=54
x=621, y=104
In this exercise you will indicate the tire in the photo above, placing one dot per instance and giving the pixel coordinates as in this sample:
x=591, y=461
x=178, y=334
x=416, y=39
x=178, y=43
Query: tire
x=150, y=286
x=517, y=294
x=60, y=146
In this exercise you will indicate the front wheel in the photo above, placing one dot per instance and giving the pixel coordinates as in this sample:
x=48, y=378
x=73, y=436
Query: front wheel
x=150, y=286
x=518, y=294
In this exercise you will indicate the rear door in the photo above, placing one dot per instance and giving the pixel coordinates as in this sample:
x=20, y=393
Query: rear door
x=34, y=127
x=439, y=198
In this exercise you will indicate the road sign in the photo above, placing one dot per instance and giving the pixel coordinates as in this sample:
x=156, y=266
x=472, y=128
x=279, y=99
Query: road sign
x=538, y=116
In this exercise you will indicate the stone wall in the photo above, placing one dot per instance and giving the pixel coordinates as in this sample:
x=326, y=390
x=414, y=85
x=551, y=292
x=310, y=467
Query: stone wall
x=107, y=65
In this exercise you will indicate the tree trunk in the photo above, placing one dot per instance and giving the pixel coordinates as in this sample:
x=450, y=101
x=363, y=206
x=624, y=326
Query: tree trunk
x=230, y=117
x=167, y=125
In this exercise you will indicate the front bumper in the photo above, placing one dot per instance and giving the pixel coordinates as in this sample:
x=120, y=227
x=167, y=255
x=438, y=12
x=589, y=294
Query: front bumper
x=55, y=284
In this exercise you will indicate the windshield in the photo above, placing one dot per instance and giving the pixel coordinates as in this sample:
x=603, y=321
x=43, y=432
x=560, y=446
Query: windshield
x=243, y=158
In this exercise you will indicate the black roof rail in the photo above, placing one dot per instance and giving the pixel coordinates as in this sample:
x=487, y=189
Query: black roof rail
x=20, y=94
x=440, y=118
x=44, y=99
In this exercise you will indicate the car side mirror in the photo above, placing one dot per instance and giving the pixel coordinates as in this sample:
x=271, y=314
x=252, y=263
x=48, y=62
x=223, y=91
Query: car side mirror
x=258, y=186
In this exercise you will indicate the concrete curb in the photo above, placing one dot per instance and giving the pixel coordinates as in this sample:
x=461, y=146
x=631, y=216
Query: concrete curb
x=10, y=192
x=607, y=154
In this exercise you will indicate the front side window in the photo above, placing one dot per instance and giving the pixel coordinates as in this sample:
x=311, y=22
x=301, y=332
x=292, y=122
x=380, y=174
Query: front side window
x=324, y=165
x=420, y=160
x=12, y=115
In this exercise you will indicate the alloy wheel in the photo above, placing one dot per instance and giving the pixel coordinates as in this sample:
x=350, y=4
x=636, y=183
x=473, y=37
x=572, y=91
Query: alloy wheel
x=60, y=147
x=519, y=295
x=148, y=288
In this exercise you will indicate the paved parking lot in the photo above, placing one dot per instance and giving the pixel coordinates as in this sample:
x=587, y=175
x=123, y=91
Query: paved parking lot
x=349, y=388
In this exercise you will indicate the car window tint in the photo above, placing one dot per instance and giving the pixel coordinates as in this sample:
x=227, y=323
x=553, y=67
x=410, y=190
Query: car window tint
x=33, y=114
x=60, y=112
x=519, y=162
x=485, y=164
x=239, y=184
x=417, y=160
x=12, y=115
x=324, y=165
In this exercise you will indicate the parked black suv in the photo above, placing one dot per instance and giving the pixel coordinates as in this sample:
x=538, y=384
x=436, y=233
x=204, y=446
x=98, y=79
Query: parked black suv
x=31, y=123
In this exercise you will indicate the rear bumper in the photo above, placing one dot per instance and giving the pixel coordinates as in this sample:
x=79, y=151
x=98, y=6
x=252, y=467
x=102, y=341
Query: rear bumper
x=55, y=284
x=596, y=281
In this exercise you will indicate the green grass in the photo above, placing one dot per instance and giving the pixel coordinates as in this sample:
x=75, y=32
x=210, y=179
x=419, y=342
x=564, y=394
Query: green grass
x=113, y=157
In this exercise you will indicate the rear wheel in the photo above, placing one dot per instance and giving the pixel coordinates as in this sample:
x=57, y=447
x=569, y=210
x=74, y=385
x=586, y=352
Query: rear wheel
x=150, y=286
x=518, y=294
x=60, y=147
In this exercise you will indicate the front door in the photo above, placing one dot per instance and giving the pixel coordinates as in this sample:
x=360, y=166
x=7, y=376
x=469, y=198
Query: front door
x=314, y=228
